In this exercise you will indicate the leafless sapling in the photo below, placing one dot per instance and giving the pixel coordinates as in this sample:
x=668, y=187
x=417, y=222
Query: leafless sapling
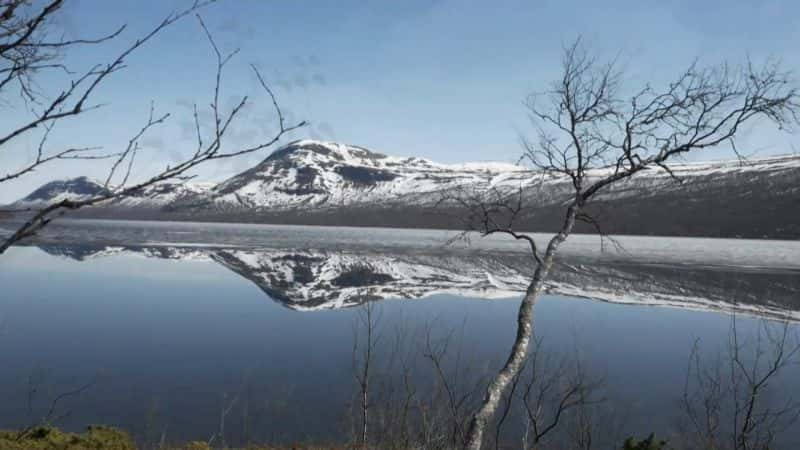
x=728, y=402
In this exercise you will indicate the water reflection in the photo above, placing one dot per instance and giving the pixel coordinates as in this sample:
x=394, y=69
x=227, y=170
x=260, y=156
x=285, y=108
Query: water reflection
x=313, y=279
x=170, y=334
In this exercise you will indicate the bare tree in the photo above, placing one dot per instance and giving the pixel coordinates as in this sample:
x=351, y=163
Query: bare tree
x=416, y=388
x=550, y=392
x=457, y=387
x=27, y=51
x=415, y=385
x=53, y=415
x=592, y=135
x=368, y=318
x=726, y=402
x=228, y=403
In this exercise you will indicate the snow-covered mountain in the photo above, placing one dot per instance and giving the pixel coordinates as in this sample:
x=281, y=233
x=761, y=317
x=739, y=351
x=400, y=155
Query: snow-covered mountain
x=322, y=175
x=55, y=191
x=312, y=182
x=315, y=279
x=311, y=174
x=153, y=196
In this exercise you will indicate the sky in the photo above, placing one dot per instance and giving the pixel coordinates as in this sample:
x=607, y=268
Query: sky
x=441, y=79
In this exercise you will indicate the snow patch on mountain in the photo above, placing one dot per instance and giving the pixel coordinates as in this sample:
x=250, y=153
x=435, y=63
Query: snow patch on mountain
x=166, y=193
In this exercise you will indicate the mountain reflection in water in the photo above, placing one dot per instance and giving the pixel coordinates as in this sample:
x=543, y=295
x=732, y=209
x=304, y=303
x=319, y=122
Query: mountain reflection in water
x=315, y=279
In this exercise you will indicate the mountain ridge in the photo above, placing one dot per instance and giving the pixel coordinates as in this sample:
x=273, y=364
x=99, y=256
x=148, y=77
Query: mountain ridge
x=314, y=182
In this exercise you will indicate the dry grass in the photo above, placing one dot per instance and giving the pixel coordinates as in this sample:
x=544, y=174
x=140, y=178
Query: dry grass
x=106, y=438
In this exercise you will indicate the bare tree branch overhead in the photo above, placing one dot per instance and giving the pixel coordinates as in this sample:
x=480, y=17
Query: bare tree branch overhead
x=27, y=51
x=594, y=132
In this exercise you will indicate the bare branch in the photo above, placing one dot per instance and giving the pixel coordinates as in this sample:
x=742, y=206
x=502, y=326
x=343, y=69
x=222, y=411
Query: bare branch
x=206, y=151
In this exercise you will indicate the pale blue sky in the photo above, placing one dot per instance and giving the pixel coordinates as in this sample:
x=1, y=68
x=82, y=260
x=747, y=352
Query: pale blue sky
x=440, y=79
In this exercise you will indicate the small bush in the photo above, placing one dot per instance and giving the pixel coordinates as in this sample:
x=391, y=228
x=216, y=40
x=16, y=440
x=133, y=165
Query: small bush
x=46, y=438
x=647, y=444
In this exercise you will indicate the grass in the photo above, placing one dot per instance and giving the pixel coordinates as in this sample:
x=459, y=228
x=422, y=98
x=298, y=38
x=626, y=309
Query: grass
x=41, y=438
x=101, y=437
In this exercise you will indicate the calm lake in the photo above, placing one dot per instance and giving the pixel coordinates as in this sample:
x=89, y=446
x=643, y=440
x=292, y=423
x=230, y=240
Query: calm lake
x=162, y=328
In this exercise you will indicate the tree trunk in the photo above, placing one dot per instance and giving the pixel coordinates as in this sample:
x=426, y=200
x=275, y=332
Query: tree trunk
x=519, y=351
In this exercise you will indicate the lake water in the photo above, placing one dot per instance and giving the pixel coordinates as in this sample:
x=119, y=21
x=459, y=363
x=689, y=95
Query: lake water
x=167, y=325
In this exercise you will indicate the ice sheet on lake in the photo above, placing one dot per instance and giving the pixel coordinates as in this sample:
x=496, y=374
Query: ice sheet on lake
x=731, y=253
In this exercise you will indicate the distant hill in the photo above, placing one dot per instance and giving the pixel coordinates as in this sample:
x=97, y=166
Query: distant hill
x=312, y=182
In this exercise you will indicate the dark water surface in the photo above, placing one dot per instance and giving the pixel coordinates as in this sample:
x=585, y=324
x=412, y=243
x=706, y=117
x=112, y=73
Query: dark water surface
x=166, y=331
